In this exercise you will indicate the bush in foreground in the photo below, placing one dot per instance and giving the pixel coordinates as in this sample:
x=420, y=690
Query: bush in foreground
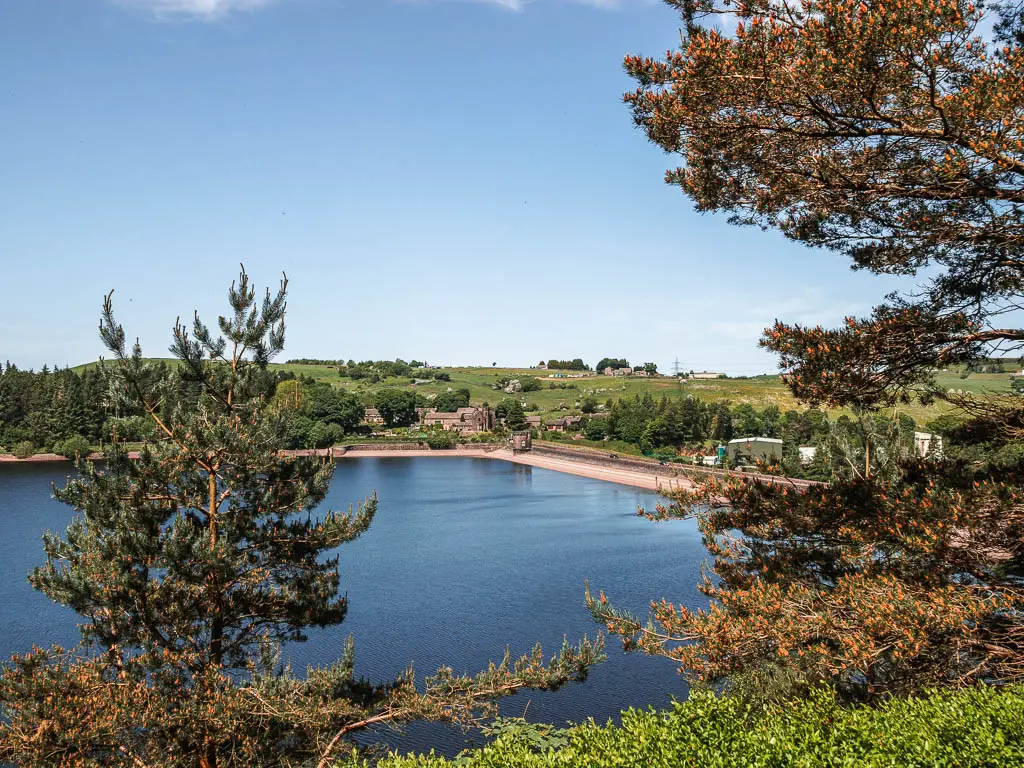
x=975, y=727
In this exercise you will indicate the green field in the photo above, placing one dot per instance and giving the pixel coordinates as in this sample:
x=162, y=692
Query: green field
x=759, y=391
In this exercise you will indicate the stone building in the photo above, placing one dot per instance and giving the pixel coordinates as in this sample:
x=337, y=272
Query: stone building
x=464, y=420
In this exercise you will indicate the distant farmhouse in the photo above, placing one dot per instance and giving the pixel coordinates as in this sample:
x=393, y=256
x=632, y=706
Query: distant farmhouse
x=464, y=421
x=609, y=371
x=564, y=424
x=707, y=375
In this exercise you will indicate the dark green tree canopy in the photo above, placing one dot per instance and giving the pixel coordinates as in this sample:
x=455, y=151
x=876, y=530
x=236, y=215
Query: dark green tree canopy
x=397, y=407
x=510, y=412
x=576, y=364
x=449, y=402
x=611, y=362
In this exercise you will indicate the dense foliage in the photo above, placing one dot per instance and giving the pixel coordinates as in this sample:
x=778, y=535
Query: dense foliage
x=977, y=727
x=397, y=407
x=46, y=408
x=691, y=425
x=875, y=588
x=316, y=414
x=314, y=361
x=576, y=364
x=376, y=371
x=611, y=362
x=509, y=412
x=50, y=410
x=449, y=402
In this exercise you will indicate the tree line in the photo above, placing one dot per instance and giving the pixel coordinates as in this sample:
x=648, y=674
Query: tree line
x=46, y=409
x=669, y=425
x=68, y=412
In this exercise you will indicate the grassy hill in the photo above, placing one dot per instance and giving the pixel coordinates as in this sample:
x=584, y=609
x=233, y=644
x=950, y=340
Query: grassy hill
x=759, y=391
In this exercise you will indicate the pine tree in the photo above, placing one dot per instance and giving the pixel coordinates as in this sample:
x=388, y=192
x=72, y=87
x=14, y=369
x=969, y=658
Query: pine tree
x=886, y=131
x=890, y=132
x=192, y=562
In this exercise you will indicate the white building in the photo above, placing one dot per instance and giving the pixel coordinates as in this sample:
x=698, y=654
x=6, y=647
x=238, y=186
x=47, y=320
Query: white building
x=927, y=444
x=754, y=448
x=707, y=375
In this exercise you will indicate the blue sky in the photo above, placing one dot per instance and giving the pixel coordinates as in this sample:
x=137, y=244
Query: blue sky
x=442, y=180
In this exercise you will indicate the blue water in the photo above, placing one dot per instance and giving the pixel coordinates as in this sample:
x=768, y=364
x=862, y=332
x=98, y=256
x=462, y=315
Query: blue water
x=464, y=557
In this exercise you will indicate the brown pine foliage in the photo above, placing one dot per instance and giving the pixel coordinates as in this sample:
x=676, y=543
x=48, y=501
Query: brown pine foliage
x=887, y=130
x=874, y=588
x=890, y=131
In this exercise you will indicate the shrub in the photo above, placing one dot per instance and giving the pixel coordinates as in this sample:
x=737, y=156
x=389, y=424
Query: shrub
x=73, y=447
x=134, y=429
x=979, y=726
x=24, y=449
x=529, y=384
x=440, y=440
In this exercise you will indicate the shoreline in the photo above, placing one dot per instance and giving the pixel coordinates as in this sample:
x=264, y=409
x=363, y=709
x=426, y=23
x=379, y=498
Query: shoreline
x=580, y=468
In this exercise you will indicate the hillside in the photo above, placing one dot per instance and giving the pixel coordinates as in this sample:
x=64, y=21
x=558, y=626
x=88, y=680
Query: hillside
x=758, y=391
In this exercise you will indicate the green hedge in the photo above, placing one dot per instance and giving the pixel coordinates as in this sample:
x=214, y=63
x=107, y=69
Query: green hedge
x=980, y=727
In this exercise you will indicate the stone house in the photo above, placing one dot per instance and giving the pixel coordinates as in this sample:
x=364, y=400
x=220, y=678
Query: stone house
x=564, y=424
x=464, y=421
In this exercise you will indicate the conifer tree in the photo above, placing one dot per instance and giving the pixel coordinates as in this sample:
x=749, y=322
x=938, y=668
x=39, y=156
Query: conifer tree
x=192, y=562
x=889, y=131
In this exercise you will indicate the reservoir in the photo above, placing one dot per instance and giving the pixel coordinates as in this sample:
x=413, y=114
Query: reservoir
x=465, y=557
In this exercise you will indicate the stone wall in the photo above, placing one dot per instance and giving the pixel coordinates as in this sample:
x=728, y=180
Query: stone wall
x=605, y=459
x=409, y=446
x=652, y=466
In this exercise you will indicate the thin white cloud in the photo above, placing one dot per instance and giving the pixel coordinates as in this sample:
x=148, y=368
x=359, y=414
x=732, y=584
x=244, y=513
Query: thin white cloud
x=602, y=3
x=521, y=5
x=203, y=9
x=514, y=5
x=215, y=9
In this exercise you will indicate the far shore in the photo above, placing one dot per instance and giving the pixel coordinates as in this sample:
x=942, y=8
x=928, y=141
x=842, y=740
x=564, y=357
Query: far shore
x=581, y=468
